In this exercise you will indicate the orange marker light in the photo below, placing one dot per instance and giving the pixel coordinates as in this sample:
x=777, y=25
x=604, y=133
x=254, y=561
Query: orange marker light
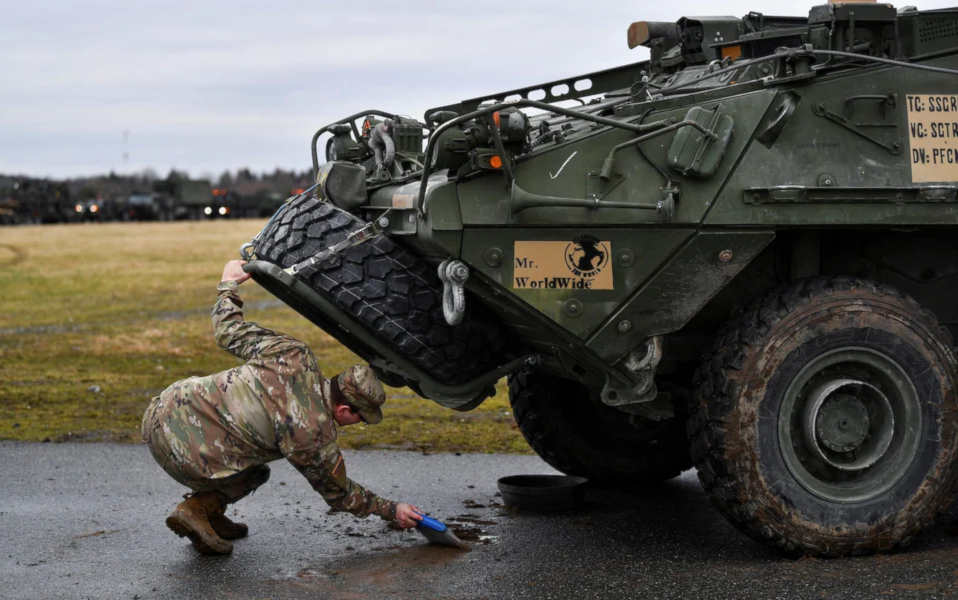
x=733, y=52
x=495, y=162
x=495, y=118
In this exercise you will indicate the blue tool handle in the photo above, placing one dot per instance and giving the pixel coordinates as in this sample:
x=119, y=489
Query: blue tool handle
x=430, y=523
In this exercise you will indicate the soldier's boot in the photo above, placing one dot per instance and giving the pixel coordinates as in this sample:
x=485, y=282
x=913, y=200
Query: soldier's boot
x=191, y=518
x=233, y=489
x=227, y=529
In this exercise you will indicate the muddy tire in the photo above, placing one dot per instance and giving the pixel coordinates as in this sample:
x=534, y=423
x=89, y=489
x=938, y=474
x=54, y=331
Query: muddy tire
x=386, y=287
x=580, y=437
x=824, y=419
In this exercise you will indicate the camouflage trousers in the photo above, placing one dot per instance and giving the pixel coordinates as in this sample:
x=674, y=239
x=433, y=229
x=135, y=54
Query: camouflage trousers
x=233, y=488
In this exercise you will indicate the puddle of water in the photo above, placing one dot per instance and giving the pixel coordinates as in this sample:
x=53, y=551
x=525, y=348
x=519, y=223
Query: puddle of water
x=380, y=574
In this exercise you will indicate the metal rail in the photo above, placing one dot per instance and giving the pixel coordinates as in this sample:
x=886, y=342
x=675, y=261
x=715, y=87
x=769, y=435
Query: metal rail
x=659, y=127
x=577, y=114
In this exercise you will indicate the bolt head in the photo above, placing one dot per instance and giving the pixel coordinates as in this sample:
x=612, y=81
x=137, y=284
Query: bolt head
x=493, y=257
x=383, y=222
x=572, y=307
x=725, y=256
x=624, y=325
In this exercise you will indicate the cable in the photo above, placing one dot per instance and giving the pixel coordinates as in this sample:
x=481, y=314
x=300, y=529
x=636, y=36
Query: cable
x=803, y=51
x=662, y=171
x=733, y=67
x=876, y=59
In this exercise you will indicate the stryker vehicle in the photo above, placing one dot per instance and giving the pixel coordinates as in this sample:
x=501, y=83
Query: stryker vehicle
x=740, y=255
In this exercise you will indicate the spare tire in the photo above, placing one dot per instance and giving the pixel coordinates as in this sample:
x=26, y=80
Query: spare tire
x=396, y=294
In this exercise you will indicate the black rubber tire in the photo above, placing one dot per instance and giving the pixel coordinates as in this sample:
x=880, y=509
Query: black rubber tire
x=386, y=287
x=734, y=431
x=586, y=438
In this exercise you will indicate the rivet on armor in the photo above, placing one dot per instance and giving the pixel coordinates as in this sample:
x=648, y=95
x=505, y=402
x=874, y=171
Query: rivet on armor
x=493, y=257
x=572, y=307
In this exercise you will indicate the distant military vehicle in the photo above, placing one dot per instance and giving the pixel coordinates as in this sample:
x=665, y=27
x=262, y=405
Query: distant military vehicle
x=42, y=201
x=9, y=211
x=263, y=204
x=222, y=204
x=144, y=207
x=739, y=255
x=186, y=198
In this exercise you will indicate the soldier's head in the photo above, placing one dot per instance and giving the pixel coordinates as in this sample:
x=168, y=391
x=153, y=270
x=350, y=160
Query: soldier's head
x=357, y=396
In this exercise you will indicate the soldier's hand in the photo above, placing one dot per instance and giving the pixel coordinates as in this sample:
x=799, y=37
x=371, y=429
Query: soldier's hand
x=407, y=515
x=233, y=271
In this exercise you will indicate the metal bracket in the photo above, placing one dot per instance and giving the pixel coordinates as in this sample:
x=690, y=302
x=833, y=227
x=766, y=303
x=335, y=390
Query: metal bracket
x=666, y=206
x=641, y=385
x=453, y=274
x=643, y=368
x=889, y=121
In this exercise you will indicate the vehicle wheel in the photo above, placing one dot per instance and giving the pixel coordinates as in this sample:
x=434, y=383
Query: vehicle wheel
x=824, y=418
x=581, y=437
x=393, y=291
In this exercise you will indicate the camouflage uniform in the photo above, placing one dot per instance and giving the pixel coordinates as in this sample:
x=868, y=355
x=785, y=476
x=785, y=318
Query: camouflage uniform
x=217, y=433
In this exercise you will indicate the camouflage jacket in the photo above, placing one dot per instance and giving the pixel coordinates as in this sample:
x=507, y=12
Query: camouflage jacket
x=275, y=405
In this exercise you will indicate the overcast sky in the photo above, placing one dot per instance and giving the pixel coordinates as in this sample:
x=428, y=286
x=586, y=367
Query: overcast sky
x=206, y=85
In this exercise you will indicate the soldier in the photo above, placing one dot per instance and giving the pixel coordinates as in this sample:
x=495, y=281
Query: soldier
x=215, y=434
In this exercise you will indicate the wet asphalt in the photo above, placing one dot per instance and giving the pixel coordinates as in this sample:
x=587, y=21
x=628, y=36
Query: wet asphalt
x=87, y=521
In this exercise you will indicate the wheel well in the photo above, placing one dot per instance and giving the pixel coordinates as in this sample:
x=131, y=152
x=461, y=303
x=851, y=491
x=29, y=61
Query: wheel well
x=922, y=263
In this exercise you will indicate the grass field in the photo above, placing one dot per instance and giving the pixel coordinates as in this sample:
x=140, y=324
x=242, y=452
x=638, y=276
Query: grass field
x=97, y=319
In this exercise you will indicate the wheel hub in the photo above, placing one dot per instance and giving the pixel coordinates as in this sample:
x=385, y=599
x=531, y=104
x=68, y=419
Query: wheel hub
x=842, y=423
x=838, y=421
x=849, y=424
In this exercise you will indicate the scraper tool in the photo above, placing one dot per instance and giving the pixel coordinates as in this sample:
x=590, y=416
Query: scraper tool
x=437, y=533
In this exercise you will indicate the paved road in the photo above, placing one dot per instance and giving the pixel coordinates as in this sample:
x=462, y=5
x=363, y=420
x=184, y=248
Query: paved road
x=86, y=521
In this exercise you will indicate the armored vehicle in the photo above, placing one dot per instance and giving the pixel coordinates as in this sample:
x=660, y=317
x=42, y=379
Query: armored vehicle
x=739, y=255
x=187, y=199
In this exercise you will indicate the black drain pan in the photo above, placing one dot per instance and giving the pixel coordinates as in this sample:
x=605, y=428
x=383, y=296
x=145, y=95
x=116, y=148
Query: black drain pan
x=543, y=492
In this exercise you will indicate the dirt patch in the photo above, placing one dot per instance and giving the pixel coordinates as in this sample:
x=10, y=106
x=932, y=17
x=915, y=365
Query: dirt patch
x=10, y=255
x=96, y=533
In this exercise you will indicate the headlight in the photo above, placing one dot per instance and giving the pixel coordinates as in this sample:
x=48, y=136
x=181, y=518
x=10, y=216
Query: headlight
x=208, y=210
x=94, y=208
x=79, y=207
x=223, y=210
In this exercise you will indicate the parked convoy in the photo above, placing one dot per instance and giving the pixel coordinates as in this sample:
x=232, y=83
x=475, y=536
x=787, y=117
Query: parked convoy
x=33, y=201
